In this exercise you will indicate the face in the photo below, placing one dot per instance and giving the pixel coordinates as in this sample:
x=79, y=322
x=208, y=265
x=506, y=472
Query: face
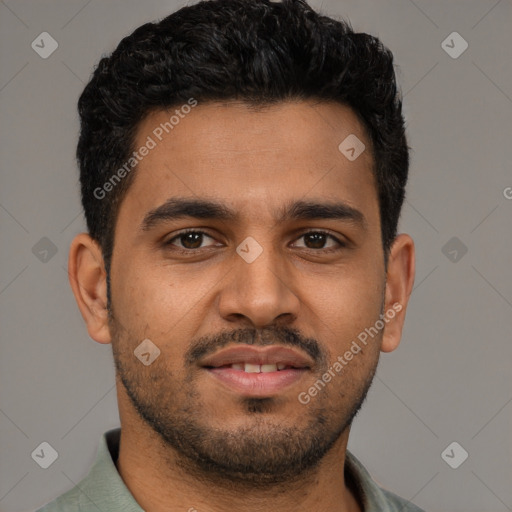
x=285, y=253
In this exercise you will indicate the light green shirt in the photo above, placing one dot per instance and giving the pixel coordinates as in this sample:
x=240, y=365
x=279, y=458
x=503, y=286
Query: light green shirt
x=103, y=489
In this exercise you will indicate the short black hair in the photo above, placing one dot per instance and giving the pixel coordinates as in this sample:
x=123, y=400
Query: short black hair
x=255, y=51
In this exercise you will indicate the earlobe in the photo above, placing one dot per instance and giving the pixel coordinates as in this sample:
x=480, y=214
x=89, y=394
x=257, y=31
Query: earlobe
x=88, y=280
x=399, y=283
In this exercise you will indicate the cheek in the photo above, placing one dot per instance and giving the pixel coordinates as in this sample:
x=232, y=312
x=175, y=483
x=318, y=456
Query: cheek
x=148, y=293
x=161, y=303
x=345, y=307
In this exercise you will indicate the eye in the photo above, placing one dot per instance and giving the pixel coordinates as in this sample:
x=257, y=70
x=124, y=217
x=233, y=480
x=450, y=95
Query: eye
x=189, y=240
x=316, y=240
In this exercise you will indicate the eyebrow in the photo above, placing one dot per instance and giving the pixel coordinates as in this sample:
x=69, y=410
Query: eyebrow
x=180, y=208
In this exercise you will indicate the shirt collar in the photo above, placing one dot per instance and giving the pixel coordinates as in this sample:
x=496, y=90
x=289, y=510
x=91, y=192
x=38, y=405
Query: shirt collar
x=103, y=485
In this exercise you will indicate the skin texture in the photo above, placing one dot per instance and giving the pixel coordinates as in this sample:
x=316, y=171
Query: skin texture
x=301, y=290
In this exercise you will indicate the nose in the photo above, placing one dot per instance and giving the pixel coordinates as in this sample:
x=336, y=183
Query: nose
x=259, y=293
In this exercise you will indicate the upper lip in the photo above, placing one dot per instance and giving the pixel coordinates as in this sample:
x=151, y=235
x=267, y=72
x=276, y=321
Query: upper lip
x=257, y=355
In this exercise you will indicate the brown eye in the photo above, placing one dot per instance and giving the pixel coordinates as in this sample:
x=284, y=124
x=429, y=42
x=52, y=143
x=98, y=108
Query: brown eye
x=189, y=240
x=316, y=240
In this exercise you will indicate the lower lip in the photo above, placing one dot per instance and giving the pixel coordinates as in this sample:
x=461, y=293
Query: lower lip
x=257, y=384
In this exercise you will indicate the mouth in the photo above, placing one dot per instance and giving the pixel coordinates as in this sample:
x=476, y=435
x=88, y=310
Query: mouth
x=257, y=368
x=257, y=371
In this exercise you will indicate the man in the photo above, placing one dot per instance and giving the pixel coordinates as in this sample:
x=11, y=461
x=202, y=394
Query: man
x=243, y=166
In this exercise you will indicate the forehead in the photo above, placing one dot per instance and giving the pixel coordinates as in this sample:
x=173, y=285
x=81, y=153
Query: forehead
x=253, y=161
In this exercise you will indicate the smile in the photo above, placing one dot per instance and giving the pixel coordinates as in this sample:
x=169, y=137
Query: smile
x=254, y=380
x=258, y=368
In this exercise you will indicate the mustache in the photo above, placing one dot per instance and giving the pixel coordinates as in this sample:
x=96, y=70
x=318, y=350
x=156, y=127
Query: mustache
x=276, y=335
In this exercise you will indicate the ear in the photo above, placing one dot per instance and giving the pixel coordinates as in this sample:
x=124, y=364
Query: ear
x=88, y=279
x=399, y=283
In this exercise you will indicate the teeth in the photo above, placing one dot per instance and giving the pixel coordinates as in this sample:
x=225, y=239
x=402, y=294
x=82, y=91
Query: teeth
x=257, y=368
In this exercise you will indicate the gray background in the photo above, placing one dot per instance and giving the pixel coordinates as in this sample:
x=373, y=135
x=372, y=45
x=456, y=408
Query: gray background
x=450, y=378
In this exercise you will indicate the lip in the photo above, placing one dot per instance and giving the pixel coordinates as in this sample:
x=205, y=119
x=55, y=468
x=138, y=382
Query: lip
x=262, y=384
x=257, y=384
x=258, y=355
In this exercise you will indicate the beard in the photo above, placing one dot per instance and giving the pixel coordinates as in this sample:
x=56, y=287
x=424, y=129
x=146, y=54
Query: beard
x=263, y=451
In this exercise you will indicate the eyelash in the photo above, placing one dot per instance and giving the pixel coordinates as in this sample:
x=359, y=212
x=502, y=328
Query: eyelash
x=341, y=244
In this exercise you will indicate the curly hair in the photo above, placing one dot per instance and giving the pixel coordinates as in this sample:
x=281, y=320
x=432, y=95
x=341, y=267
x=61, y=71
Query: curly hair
x=256, y=51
